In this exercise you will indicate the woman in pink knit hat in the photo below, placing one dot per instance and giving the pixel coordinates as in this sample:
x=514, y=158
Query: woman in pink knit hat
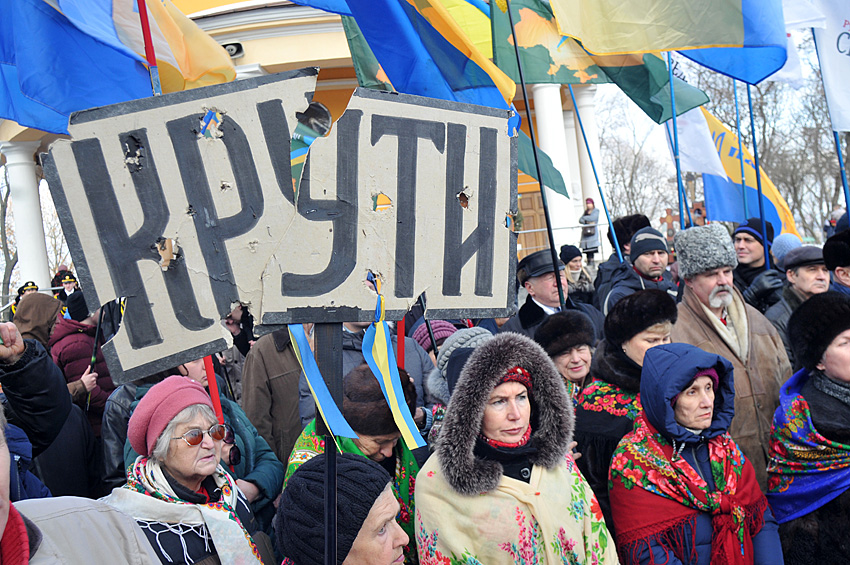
x=188, y=506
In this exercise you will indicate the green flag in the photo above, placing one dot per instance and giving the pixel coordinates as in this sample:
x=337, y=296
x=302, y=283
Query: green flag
x=551, y=176
x=547, y=56
x=644, y=78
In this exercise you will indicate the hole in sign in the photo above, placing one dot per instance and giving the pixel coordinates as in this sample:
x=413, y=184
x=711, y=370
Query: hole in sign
x=381, y=202
x=463, y=199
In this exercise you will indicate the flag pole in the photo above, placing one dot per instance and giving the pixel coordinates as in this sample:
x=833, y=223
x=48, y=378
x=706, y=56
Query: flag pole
x=835, y=135
x=758, y=179
x=555, y=260
x=595, y=175
x=681, y=189
x=149, y=51
x=843, y=171
x=740, y=150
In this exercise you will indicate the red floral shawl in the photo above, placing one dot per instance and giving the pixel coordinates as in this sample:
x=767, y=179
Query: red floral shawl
x=670, y=493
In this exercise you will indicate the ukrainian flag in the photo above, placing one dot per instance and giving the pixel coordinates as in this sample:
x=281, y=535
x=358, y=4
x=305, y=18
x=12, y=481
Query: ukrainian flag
x=62, y=56
x=744, y=39
x=724, y=196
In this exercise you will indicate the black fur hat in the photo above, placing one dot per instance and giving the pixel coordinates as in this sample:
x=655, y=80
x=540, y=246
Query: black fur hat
x=565, y=330
x=552, y=414
x=364, y=405
x=836, y=250
x=637, y=312
x=626, y=227
x=814, y=325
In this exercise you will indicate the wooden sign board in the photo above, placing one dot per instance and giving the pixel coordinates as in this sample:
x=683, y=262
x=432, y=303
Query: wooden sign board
x=184, y=204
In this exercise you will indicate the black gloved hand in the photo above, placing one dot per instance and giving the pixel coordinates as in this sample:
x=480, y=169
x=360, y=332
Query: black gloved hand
x=765, y=290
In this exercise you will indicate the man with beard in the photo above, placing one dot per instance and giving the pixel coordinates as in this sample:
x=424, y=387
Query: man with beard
x=714, y=317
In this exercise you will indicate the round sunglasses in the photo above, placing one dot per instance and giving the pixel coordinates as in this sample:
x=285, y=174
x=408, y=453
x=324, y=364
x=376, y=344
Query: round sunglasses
x=194, y=437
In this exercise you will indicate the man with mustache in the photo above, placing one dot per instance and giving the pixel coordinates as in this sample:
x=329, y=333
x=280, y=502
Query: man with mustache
x=806, y=275
x=714, y=316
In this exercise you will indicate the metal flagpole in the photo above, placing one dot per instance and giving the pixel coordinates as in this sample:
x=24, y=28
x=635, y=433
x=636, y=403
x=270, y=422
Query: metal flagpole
x=681, y=189
x=843, y=172
x=555, y=260
x=758, y=179
x=595, y=175
x=741, y=150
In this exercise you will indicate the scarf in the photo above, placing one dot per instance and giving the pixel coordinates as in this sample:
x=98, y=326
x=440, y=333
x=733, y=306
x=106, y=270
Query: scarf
x=310, y=444
x=15, y=544
x=805, y=470
x=600, y=396
x=735, y=331
x=159, y=503
x=671, y=494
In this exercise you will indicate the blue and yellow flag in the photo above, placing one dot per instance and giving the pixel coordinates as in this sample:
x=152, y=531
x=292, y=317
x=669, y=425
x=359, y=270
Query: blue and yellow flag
x=378, y=351
x=62, y=56
x=744, y=39
x=724, y=199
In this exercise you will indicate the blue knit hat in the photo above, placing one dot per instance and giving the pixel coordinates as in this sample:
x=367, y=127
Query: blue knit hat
x=782, y=244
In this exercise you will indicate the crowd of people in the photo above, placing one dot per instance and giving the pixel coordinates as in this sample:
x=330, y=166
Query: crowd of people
x=679, y=402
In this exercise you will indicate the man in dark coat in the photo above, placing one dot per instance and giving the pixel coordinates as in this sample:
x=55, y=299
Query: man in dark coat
x=836, y=255
x=807, y=275
x=537, y=274
x=624, y=228
x=761, y=287
x=649, y=256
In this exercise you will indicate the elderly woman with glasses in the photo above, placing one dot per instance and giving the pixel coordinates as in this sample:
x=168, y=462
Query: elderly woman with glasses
x=245, y=455
x=189, y=507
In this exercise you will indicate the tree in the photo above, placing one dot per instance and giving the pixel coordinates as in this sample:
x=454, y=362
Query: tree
x=7, y=239
x=637, y=170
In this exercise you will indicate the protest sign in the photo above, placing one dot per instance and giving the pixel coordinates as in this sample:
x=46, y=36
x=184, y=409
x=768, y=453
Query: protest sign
x=185, y=205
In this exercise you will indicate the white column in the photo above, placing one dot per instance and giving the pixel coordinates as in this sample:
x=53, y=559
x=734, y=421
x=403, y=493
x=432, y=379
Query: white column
x=570, y=127
x=549, y=127
x=26, y=209
x=585, y=100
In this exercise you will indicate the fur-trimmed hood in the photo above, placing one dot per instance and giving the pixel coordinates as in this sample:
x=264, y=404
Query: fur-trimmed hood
x=552, y=417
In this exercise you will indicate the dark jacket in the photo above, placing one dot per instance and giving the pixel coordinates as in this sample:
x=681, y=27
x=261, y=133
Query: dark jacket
x=780, y=313
x=116, y=415
x=604, y=273
x=37, y=399
x=760, y=286
x=667, y=370
x=259, y=464
x=416, y=361
x=530, y=316
x=626, y=280
x=71, y=346
x=602, y=419
x=22, y=483
x=71, y=466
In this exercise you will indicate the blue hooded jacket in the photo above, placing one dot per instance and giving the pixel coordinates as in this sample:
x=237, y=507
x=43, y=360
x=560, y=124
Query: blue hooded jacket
x=667, y=371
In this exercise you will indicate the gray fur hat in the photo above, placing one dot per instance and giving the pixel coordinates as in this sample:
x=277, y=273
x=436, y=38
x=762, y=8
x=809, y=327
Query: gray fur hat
x=435, y=383
x=552, y=416
x=703, y=248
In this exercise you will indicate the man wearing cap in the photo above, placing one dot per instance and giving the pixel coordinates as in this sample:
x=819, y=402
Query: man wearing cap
x=714, y=317
x=28, y=287
x=624, y=228
x=806, y=276
x=836, y=255
x=761, y=287
x=649, y=256
x=537, y=274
